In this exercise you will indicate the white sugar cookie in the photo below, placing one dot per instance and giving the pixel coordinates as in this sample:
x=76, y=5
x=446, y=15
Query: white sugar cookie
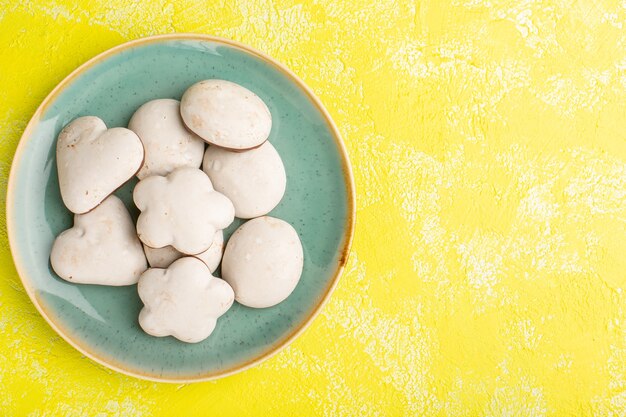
x=183, y=301
x=167, y=143
x=263, y=262
x=101, y=248
x=253, y=180
x=182, y=210
x=226, y=114
x=163, y=257
x=93, y=161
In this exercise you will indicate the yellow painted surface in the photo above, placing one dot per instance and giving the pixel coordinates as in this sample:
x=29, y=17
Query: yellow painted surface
x=487, y=276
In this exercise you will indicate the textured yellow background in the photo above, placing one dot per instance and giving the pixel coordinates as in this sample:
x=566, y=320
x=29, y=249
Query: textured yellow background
x=489, y=148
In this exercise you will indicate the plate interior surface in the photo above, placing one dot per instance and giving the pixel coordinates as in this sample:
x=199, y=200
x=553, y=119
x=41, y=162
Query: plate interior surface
x=102, y=321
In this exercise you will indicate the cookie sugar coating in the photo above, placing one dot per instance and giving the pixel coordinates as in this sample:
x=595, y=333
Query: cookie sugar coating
x=93, y=161
x=163, y=257
x=167, y=143
x=253, y=180
x=183, y=301
x=226, y=114
x=182, y=210
x=263, y=262
x=213, y=256
x=101, y=248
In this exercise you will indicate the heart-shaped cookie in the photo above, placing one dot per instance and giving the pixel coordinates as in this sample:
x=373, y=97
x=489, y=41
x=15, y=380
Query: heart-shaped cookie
x=94, y=161
x=101, y=248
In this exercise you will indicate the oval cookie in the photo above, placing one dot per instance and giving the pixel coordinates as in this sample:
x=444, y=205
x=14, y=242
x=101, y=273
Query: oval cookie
x=168, y=144
x=253, y=180
x=263, y=262
x=226, y=114
x=163, y=257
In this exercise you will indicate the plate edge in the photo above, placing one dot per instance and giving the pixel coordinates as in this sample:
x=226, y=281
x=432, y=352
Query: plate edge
x=348, y=179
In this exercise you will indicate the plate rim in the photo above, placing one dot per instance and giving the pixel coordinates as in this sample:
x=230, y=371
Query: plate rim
x=347, y=175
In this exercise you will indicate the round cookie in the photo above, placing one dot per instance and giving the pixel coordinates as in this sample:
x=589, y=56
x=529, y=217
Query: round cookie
x=263, y=262
x=182, y=210
x=253, y=180
x=226, y=114
x=168, y=144
x=183, y=301
x=163, y=257
x=101, y=248
x=93, y=161
x=213, y=256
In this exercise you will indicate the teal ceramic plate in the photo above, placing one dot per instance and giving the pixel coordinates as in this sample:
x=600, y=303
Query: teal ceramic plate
x=101, y=322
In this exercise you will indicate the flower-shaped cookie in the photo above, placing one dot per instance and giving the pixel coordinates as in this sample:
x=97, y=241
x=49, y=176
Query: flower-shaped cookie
x=183, y=301
x=182, y=210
